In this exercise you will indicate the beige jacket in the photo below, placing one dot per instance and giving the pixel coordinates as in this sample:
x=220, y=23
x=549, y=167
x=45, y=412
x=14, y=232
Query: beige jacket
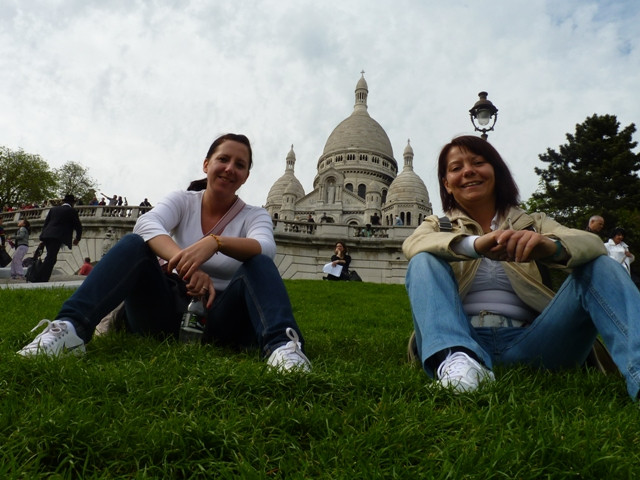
x=581, y=246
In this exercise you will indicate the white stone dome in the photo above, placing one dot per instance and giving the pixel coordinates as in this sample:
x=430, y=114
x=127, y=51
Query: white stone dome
x=287, y=183
x=359, y=131
x=408, y=187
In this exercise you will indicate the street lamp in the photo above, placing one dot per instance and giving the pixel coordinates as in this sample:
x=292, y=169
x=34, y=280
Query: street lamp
x=483, y=111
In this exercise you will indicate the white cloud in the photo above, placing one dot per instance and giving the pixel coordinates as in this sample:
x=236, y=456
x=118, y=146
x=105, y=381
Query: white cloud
x=136, y=91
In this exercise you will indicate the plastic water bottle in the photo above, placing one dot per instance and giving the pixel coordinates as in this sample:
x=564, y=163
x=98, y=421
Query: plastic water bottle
x=193, y=322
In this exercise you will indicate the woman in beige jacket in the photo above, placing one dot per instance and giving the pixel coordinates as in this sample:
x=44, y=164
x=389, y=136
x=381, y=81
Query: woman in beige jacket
x=476, y=287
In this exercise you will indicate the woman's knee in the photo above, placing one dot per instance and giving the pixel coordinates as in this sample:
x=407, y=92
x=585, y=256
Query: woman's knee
x=422, y=263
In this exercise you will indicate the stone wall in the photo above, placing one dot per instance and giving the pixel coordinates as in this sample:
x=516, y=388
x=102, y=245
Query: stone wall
x=376, y=253
x=302, y=248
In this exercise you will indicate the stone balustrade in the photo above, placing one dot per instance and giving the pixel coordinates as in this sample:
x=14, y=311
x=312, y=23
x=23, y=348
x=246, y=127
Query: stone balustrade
x=303, y=247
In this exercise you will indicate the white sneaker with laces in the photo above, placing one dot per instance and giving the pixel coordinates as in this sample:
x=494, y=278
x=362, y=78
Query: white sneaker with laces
x=289, y=356
x=55, y=340
x=462, y=373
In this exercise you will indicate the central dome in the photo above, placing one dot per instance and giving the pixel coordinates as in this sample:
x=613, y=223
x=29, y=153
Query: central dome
x=361, y=132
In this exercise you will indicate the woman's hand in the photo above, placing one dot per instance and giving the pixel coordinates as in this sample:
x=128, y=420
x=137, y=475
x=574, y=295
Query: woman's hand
x=200, y=285
x=514, y=245
x=188, y=261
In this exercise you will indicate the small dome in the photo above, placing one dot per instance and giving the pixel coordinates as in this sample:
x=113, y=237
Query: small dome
x=408, y=150
x=407, y=187
x=294, y=187
x=362, y=83
x=287, y=183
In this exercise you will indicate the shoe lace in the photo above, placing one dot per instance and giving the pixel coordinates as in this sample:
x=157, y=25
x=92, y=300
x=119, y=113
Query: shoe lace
x=292, y=352
x=50, y=334
x=456, y=365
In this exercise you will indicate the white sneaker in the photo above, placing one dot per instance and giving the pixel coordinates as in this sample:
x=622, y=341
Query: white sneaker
x=55, y=340
x=462, y=373
x=289, y=356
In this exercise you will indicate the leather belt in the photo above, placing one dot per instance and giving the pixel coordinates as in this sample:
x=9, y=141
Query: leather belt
x=489, y=319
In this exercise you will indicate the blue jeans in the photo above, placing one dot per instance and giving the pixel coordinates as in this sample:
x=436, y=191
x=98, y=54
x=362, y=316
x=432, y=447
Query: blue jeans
x=598, y=297
x=254, y=310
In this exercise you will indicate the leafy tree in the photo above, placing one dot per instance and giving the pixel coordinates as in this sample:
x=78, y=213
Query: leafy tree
x=594, y=173
x=24, y=178
x=74, y=178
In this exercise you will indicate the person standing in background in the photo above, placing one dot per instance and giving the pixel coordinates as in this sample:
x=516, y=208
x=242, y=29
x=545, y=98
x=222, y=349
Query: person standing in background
x=21, y=244
x=618, y=250
x=58, y=229
x=596, y=224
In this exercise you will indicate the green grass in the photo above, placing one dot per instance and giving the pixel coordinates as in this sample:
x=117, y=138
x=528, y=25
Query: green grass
x=137, y=408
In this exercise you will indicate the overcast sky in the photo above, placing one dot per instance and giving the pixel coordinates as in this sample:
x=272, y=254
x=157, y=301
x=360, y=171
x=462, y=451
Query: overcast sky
x=136, y=91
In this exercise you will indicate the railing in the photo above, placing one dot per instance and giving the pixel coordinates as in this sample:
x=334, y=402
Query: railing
x=84, y=211
x=303, y=228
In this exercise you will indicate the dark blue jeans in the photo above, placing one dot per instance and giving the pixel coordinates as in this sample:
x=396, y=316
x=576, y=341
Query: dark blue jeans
x=254, y=310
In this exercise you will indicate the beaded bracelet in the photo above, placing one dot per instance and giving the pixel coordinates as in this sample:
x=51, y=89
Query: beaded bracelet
x=217, y=239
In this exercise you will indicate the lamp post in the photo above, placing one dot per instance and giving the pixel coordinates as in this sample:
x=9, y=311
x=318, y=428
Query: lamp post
x=484, y=112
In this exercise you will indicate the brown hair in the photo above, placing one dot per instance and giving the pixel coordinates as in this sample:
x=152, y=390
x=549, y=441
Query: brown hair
x=507, y=193
x=201, y=184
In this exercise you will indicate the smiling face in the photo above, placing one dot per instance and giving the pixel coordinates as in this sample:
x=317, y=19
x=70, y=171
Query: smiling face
x=470, y=179
x=227, y=168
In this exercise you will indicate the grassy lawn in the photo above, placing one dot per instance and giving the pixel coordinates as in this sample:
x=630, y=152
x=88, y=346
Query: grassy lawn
x=137, y=408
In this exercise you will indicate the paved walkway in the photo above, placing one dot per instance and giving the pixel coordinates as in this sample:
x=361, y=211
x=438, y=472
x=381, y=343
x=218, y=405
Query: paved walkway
x=67, y=281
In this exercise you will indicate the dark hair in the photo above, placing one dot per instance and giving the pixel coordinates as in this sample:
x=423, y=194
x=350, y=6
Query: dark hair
x=201, y=184
x=27, y=225
x=618, y=230
x=507, y=195
x=344, y=245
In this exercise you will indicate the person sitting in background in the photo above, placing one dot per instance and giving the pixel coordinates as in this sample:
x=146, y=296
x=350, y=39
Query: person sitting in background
x=618, y=250
x=86, y=267
x=342, y=258
x=476, y=289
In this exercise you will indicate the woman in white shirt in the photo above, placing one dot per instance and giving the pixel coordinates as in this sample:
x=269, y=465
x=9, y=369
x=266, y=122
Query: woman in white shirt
x=223, y=251
x=618, y=250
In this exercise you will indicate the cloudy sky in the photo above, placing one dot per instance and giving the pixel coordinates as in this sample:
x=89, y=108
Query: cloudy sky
x=137, y=90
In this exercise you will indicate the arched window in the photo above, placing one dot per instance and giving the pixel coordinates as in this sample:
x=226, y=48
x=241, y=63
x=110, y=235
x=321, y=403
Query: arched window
x=362, y=190
x=349, y=186
x=408, y=222
x=384, y=195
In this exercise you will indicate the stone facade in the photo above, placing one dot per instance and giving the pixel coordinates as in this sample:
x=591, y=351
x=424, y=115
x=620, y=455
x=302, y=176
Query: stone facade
x=358, y=197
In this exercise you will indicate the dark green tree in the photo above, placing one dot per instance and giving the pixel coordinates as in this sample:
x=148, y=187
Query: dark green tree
x=74, y=178
x=595, y=172
x=24, y=178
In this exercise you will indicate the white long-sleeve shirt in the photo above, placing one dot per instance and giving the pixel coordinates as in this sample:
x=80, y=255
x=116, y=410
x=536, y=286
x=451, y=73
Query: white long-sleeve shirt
x=179, y=215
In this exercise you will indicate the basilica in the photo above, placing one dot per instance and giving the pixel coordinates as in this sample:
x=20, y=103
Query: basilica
x=357, y=181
